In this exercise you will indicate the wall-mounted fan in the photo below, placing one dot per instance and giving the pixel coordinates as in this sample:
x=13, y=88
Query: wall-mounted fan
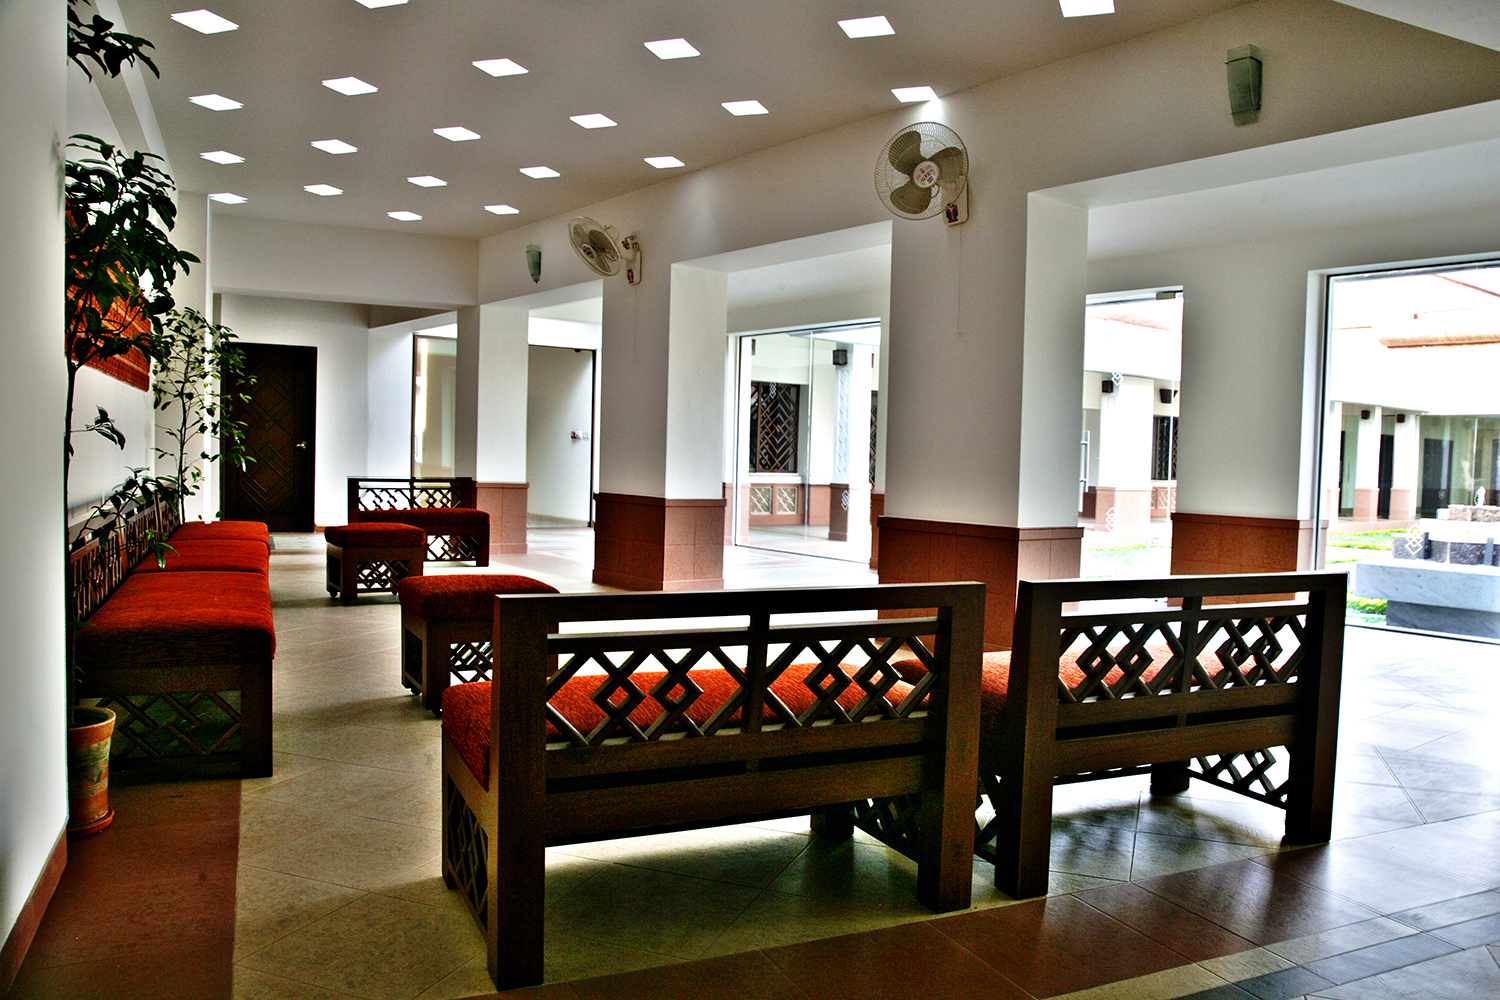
x=922, y=171
x=605, y=250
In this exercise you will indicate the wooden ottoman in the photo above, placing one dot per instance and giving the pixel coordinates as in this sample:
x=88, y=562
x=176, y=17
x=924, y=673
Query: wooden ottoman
x=447, y=623
x=372, y=557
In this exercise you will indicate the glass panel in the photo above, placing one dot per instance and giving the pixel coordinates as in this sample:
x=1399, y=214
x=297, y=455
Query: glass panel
x=434, y=405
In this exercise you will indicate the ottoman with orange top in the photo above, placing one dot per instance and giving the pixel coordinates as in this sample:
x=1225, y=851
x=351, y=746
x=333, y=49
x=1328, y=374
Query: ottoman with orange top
x=446, y=626
x=372, y=557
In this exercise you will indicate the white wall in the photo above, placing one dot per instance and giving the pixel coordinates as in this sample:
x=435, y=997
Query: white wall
x=348, y=387
x=33, y=773
x=560, y=402
x=389, y=391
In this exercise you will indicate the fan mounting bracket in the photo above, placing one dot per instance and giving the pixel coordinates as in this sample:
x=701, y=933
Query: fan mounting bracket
x=956, y=210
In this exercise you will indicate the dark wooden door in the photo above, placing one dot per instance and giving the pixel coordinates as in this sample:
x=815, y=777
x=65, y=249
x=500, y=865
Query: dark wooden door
x=277, y=486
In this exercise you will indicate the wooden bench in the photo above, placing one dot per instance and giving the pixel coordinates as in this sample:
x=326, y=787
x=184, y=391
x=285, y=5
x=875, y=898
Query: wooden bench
x=792, y=707
x=181, y=651
x=444, y=508
x=1185, y=678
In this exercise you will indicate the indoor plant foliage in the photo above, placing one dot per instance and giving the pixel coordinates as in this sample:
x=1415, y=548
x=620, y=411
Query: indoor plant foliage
x=194, y=361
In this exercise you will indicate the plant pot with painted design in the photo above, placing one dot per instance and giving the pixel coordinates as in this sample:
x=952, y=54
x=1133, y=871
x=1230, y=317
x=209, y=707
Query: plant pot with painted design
x=88, y=770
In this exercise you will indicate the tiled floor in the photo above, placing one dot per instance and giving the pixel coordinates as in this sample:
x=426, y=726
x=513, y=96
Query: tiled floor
x=323, y=881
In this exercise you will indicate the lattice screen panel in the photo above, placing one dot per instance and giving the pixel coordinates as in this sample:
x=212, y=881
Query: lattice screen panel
x=160, y=726
x=467, y=849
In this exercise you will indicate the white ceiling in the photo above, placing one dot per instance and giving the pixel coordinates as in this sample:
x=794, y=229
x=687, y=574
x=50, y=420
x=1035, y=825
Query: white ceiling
x=583, y=56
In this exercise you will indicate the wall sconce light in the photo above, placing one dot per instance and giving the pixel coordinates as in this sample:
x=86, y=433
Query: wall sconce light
x=1400, y=418
x=1244, y=84
x=1108, y=385
x=534, y=261
x=1166, y=394
x=840, y=357
x=1364, y=414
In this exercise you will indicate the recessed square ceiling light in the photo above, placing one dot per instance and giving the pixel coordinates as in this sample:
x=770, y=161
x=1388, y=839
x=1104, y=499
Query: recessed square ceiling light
x=593, y=121
x=672, y=48
x=222, y=156
x=335, y=146
x=215, y=102
x=350, y=85
x=428, y=181
x=866, y=27
x=502, y=210
x=663, y=162
x=1086, y=8
x=405, y=216
x=745, y=108
x=228, y=198
x=205, y=21
x=540, y=172
x=500, y=67
x=325, y=190
x=907, y=95
x=379, y=3
x=456, y=133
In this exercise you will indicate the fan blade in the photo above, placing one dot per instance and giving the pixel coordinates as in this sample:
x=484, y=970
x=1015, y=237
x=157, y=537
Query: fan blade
x=603, y=245
x=950, y=163
x=911, y=199
x=905, y=152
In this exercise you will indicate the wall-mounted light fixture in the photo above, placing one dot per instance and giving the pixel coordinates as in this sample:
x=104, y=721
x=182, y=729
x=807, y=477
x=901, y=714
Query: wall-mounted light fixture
x=1166, y=395
x=1244, y=84
x=840, y=357
x=534, y=261
x=1400, y=418
x=1364, y=414
x=1108, y=385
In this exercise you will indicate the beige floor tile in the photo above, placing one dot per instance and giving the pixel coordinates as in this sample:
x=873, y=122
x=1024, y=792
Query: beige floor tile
x=1157, y=855
x=1167, y=985
x=378, y=948
x=1246, y=964
x=1340, y=940
x=361, y=853
x=742, y=855
x=644, y=910
x=344, y=789
x=569, y=957
x=270, y=905
x=777, y=918
x=250, y=984
x=266, y=823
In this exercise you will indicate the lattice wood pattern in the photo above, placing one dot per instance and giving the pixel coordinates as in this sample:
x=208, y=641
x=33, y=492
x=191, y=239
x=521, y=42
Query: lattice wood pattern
x=158, y=727
x=381, y=574
x=774, y=422
x=465, y=851
x=455, y=548
x=469, y=661
x=367, y=493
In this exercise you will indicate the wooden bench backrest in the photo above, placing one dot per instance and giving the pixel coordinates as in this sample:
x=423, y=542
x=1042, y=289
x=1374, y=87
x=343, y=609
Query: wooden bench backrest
x=376, y=493
x=100, y=564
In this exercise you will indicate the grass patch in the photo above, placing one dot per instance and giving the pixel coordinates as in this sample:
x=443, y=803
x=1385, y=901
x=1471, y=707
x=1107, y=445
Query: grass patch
x=1379, y=540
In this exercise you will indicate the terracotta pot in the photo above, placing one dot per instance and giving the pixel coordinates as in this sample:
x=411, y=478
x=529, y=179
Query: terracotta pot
x=88, y=771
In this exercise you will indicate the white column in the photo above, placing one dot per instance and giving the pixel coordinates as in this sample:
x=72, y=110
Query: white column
x=1367, y=464
x=492, y=358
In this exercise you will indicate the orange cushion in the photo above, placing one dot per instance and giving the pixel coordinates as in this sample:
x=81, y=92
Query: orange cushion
x=466, y=707
x=175, y=619
x=232, y=555
x=249, y=530
x=462, y=595
x=375, y=533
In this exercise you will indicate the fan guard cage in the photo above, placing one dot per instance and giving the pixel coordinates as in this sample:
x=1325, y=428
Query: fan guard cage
x=596, y=244
x=934, y=142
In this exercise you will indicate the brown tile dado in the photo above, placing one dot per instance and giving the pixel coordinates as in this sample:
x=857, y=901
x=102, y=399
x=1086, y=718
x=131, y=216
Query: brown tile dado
x=1224, y=543
x=916, y=551
x=506, y=504
x=651, y=543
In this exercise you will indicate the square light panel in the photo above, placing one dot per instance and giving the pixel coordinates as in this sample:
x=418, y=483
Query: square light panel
x=906, y=95
x=1086, y=8
x=502, y=210
x=672, y=48
x=663, y=162
x=540, y=172
x=350, y=86
x=867, y=27
x=428, y=181
x=745, y=108
x=500, y=67
x=405, y=216
x=222, y=156
x=456, y=133
x=593, y=121
x=324, y=190
x=228, y=198
x=215, y=102
x=205, y=21
x=379, y=3
x=335, y=146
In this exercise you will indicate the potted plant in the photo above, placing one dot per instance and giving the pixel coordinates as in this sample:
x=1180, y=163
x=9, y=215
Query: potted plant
x=120, y=266
x=194, y=361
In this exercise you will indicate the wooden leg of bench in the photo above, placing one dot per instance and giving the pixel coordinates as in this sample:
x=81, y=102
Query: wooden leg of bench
x=413, y=651
x=437, y=669
x=1309, y=799
x=1024, y=839
x=1169, y=779
x=348, y=577
x=255, y=721
x=833, y=823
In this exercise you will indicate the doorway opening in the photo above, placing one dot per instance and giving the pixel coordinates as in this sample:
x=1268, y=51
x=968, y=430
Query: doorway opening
x=805, y=457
